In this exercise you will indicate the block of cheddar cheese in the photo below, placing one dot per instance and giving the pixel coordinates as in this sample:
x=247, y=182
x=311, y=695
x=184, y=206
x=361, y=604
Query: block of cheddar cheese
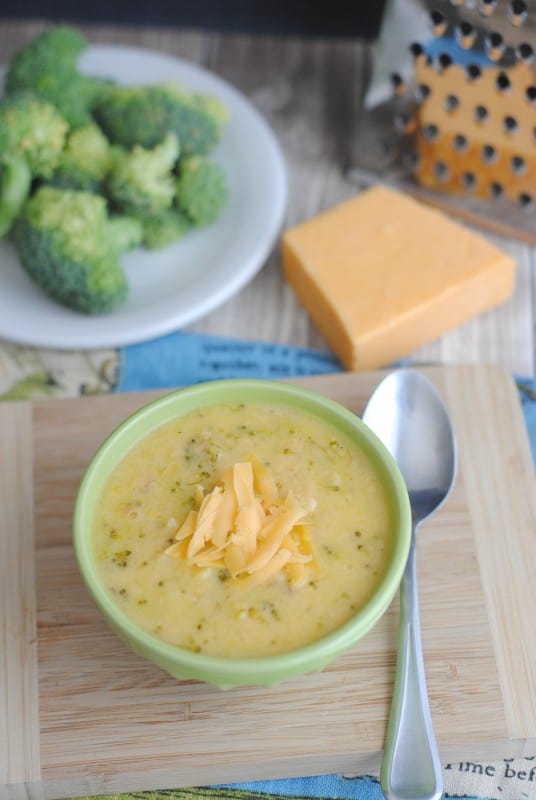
x=381, y=274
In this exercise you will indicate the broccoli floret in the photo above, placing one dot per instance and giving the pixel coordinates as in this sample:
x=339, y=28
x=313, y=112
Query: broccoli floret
x=15, y=183
x=144, y=115
x=85, y=161
x=32, y=134
x=62, y=238
x=141, y=182
x=210, y=105
x=33, y=129
x=64, y=42
x=202, y=190
x=47, y=66
x=124, y=233
x=166, y=228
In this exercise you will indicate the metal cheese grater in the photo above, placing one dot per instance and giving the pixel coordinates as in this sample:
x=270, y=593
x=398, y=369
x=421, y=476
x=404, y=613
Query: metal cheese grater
x=461, y=132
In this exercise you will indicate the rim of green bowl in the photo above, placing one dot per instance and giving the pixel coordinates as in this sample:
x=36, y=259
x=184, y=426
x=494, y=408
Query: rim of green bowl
x=175, y=404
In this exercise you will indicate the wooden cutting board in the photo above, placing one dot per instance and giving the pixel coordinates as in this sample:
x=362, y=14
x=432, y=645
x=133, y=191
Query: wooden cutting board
x=80, y=714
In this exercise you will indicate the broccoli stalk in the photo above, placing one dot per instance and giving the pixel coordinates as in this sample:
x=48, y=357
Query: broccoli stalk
x=15, y=183
x=63, y=240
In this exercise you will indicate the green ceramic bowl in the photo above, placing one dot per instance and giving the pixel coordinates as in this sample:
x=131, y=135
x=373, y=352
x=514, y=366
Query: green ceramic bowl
x=226, y=672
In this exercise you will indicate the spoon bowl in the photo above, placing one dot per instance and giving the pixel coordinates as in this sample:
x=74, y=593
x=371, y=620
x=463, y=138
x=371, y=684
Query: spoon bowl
x=408, y=414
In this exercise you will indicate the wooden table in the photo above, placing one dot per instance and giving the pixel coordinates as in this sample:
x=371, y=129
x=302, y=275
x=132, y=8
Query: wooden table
x=309, y=91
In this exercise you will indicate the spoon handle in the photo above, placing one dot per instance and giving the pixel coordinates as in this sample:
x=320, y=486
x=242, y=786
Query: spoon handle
x=410, y=767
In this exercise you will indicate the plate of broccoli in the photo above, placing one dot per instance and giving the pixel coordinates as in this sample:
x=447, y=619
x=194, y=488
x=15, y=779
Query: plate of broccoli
x=138, y=192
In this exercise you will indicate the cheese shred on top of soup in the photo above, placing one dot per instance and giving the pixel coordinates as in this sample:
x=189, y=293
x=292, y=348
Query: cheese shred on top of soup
x=243, y=530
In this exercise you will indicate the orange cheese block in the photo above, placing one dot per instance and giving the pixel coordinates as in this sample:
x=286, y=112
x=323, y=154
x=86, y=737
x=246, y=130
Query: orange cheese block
x=381, y=274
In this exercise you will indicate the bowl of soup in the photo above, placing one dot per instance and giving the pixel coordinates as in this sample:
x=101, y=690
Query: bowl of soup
x=242, y=531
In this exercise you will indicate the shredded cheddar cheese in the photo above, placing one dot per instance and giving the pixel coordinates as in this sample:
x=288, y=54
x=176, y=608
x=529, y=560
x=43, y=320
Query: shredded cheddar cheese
x=245, y=527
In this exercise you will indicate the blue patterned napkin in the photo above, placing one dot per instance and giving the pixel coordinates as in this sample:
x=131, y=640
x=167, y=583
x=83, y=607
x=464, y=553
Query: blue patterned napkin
x=183, y=358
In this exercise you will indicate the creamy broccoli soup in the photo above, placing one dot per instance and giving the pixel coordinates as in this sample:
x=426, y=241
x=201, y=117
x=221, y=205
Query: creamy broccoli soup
x=243, y=530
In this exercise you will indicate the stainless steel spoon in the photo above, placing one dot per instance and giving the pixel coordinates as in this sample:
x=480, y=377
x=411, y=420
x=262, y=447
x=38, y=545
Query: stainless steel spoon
x=408, y=415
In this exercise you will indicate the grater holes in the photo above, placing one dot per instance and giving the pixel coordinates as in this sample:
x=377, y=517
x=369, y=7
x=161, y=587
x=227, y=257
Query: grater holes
x=460, y=143
x=530, y=94
x=481, y=113
x=465, y=35
x=517, y=11
x=502, y=82
x=510, y=124
x=489, y=154
x=525, y=200
x=525, y=52
x=441, y=170
x=439, y=23
x=496, y=189
x=404, y=122
x=444, y=61
x=430, y=132
x=416, y=49
x=473, y=72
x=518, y=165
x=452, y=101
x=468, y=180
x=487, y=7
x=494, y=45
x=398, y=83
x=423, y=91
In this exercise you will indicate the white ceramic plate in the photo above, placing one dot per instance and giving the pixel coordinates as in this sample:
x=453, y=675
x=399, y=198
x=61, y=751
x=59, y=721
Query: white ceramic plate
x=177, y=285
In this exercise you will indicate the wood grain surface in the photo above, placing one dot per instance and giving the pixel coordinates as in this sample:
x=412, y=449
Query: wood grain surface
x=19, y=753
x=87, y=716
x=79, y=713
